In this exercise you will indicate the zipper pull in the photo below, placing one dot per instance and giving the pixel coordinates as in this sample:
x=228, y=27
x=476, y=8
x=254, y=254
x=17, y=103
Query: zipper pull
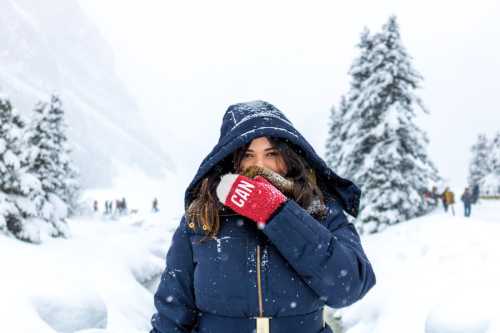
x=262, y=325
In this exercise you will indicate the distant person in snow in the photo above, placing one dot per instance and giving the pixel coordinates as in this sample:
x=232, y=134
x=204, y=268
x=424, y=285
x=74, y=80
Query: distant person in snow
x=467, y=200
x=475, y=193
x=435, y=196
x=155, y=205
x=443, y=200
x=124, y=209
x=449, y=200
x=96, y=206
x=264, y=223
x=118, y=206
x=430, y=198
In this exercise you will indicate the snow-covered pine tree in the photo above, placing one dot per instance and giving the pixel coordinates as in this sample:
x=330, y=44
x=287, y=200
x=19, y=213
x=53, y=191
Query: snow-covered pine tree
x=494, y=160
x=361, y=68
x=51, y=162
x=333, y=139
x=337, y=146
x=72, y=189
x=490, y=182
x=18, y=188
x=480, y=164
x=384, y=150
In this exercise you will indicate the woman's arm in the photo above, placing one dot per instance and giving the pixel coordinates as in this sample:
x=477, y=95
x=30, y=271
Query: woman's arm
x=174, y=299
x=328, y=256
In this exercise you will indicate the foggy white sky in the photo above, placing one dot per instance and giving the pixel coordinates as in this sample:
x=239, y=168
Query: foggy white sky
x=186, y=61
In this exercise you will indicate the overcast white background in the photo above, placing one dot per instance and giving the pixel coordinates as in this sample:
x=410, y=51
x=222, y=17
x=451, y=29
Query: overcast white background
x=186, y=61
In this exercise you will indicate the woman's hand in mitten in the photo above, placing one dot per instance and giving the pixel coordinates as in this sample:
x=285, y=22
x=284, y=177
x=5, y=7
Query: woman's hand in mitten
x=255, y=198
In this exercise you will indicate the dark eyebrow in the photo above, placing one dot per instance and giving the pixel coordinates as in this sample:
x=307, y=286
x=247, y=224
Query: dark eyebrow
x=267, y=149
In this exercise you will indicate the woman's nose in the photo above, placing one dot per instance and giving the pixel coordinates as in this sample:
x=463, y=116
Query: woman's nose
x=259, y=162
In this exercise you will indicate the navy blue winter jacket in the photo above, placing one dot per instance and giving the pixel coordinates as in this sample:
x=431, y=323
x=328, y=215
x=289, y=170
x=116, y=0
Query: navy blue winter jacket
x=288, y=271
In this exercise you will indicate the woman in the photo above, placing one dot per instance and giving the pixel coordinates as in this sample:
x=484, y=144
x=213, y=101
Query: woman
x=264, y=244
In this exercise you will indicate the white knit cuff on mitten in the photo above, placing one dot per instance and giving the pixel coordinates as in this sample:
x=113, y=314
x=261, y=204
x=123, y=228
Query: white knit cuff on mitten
x=225, y=185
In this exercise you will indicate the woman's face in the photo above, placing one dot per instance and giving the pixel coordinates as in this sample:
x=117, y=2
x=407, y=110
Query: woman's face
x=262, y=153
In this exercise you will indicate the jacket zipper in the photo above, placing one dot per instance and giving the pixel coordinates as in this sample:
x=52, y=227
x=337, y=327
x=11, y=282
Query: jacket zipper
x=262, y=322
x=259, y=285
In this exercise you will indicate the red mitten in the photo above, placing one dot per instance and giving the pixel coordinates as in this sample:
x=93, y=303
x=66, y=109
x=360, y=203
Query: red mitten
x=256, y=198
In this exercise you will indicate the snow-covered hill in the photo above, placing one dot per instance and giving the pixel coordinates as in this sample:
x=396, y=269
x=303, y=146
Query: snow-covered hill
x=50, y=46
x=435, y=274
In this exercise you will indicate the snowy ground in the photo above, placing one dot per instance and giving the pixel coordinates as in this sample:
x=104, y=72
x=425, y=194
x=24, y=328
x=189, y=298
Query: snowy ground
x=437, y=274
x=100, y=278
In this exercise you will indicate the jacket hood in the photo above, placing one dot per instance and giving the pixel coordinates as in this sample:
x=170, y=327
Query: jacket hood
x=244, y=122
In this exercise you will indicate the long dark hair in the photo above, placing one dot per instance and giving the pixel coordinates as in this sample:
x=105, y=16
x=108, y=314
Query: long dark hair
x=205, y=210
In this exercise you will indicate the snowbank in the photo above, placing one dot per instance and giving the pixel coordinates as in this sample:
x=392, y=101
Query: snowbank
x=100, y=280
x=435, y=274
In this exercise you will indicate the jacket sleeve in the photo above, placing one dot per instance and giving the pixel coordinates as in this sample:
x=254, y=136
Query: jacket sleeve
x=327, y=255
x=174, y=299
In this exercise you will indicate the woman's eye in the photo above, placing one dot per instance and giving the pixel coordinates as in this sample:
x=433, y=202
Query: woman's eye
x=271, y=154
